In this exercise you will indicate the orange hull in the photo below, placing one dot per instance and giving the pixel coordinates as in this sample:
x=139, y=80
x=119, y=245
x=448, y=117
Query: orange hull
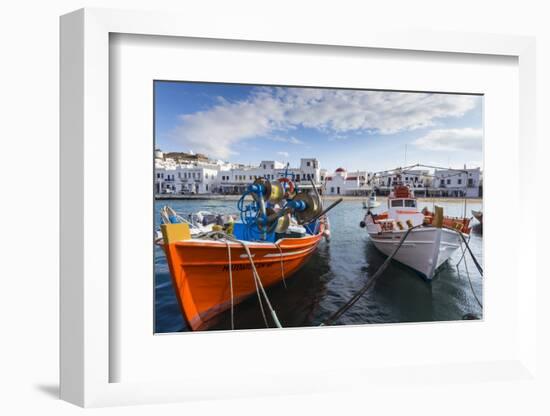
x=200, y=272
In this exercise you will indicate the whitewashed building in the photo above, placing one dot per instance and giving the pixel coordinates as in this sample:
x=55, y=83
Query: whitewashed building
x=342, y=182
x=237, y=180
x=419, y=180
x=458, y=183
x=183, y=179
x=208, y=176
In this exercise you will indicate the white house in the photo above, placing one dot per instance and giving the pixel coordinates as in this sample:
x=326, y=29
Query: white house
x=342, y=182
x=237, y=180
x=208, y=176
x=453, y=182
x=419, y=180
x=182, y=179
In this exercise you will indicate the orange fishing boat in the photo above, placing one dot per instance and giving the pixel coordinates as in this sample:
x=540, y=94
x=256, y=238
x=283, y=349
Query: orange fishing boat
x=213, y=271
x=200, y=271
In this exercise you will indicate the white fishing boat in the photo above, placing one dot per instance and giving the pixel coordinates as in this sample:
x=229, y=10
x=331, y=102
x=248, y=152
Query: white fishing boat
x=371, y=202
x=429, y=244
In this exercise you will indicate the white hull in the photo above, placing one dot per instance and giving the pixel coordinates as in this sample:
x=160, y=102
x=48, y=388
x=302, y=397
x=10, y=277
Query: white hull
x=424, y=250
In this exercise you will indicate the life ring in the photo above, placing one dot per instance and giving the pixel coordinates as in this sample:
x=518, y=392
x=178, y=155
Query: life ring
x=291, y=186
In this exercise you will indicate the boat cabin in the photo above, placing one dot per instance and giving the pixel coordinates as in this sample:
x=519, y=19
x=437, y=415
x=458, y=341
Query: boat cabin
x=401, y=203
x=402, y=206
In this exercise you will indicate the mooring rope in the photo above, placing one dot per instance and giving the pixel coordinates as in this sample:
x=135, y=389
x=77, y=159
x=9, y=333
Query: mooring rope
x=256, y=274
x=217, y=235
x=282, y=265
x=230, y=282
x=476, y=262
x=468, y=275
x=369, y=283
x=383, y=267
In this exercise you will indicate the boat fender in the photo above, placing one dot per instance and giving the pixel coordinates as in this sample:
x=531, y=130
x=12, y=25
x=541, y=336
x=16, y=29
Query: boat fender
x=362, y=224
x=409, y=223
x=400, y=225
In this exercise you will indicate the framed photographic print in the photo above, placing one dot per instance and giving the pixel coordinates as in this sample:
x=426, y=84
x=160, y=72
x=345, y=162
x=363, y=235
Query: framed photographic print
x=280, y=187
x=272, y=198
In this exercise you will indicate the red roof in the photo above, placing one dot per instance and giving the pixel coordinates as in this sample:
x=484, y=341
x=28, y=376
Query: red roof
x=340, y=170
x=329, y=178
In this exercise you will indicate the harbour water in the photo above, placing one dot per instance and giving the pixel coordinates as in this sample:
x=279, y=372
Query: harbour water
x=335, y=272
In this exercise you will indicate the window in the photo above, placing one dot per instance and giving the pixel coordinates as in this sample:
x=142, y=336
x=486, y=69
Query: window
x=460, y=181
x=297, y=178
x=272, y=166
x=206, y=176
x=410, y=203
x=206, y=187
x=397, y=203
x=332, y=190
x=265, y=167
x=448, y=181
x=470, y=182
x=308, y=163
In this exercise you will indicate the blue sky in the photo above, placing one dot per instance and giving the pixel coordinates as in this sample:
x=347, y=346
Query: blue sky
x=355, y=129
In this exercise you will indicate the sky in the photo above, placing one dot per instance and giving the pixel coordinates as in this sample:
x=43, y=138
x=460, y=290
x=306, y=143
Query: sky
x=354, y=129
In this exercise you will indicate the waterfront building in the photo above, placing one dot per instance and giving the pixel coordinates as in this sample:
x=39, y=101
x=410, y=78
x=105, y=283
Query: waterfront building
x=342, y=182
x=458, y=183
x=236, y=180
x=419, y=180
x=196, y=174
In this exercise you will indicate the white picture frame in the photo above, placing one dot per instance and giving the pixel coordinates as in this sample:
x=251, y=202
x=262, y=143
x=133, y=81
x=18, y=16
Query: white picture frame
x=86, y=355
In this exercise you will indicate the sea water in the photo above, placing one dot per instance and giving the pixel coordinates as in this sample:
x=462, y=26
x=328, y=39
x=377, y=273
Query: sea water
x=335, y=272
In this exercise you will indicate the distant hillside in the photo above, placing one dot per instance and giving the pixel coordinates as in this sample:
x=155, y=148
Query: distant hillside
x=182, y=156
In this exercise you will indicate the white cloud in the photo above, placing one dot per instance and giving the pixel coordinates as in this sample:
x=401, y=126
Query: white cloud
x=284, y=154
x=268, y=111
x=451, y=139
x=290, y=140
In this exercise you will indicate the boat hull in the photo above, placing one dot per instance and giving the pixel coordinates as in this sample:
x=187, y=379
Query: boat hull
x=201, y=278
x=424, y=250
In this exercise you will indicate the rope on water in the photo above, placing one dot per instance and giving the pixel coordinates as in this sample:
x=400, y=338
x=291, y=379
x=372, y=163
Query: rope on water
x=370, y=282
x=383, y=267
x=468, y=275
x=476, y=262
